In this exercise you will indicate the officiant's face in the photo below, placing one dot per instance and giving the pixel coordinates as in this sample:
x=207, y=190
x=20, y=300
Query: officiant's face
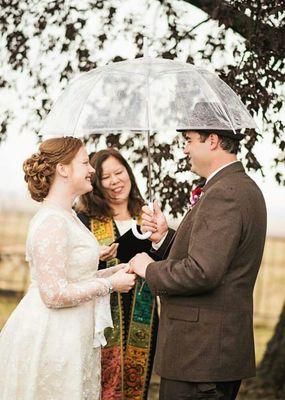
x=115, y=180
x=197, y=152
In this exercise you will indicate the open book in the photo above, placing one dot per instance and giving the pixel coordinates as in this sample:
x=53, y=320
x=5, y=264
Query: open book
x=129, y=246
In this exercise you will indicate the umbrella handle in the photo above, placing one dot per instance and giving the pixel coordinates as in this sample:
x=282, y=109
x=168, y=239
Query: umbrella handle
x=141, y=236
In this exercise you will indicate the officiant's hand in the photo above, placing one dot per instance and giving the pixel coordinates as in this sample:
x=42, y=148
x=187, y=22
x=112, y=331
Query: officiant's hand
x=154, y=221
x=108, y=252
x=139, y=263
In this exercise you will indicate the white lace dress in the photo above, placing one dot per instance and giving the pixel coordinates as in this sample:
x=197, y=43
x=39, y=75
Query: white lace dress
x=50, y=346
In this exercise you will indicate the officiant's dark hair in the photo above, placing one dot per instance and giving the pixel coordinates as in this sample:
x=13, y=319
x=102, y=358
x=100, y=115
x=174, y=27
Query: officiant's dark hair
x=96, y=203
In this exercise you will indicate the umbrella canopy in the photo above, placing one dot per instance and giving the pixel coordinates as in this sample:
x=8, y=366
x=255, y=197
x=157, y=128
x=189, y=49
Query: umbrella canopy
x=146, y=94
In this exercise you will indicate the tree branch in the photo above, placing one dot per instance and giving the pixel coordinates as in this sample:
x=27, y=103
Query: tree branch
x=199, y=24
x=272, y=37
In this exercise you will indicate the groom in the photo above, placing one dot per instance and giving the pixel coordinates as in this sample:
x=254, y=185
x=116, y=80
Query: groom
x=206, y=277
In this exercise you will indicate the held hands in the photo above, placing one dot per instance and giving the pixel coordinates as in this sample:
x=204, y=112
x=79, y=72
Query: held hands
x=108, y=252
x=139, y=264
x=154, y=221
x=123, y=280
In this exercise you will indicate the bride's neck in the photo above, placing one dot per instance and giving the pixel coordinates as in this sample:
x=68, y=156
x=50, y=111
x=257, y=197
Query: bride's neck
x=60, y=197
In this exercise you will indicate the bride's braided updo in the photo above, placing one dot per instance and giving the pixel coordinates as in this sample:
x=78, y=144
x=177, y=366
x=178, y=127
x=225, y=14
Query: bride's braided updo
x=41, y=166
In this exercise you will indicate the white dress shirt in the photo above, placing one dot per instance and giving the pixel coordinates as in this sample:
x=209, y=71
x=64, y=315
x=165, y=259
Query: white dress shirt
x=218, y=170
x=123, y=225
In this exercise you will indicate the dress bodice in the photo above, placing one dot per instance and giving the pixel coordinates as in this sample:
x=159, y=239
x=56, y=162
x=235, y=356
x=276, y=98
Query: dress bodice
x=64, y=257
x=69, y=241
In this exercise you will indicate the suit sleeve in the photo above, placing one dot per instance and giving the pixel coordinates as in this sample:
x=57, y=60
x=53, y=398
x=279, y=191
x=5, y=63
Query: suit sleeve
x=215, y=237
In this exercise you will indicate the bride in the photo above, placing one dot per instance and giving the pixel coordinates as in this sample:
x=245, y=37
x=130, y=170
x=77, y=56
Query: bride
x=50, y=346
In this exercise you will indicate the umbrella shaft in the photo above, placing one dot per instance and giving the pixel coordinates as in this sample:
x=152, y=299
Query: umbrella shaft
x=149, y=166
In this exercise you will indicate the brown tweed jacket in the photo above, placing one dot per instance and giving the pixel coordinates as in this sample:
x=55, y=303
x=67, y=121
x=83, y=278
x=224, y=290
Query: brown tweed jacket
x=206, y=280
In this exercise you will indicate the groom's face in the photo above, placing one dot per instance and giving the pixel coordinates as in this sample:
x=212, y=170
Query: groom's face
x=197, y=152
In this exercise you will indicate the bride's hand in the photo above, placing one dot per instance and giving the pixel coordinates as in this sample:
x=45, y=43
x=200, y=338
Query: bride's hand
x=117, y=268
x=108, y=252
x=122, y=280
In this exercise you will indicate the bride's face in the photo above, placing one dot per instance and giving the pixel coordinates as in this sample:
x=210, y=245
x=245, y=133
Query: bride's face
x=80, y=173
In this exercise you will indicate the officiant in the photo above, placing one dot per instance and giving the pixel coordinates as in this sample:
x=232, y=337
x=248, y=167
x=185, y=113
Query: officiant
x=108, y=212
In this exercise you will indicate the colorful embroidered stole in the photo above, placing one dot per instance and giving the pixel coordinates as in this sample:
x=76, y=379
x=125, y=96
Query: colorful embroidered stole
x=125, y=360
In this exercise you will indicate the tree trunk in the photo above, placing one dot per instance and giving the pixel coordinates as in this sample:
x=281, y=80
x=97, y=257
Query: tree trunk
x=272, y=367
x=270, y=380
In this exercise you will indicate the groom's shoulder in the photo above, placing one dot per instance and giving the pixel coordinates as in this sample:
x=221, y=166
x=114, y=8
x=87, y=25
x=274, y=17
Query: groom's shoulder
x=239, y=186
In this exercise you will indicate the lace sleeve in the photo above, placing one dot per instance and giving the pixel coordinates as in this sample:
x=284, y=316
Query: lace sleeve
x=107, y=272
x=49, y=253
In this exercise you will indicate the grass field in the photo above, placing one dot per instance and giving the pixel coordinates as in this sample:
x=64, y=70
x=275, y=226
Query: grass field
x=269, y=291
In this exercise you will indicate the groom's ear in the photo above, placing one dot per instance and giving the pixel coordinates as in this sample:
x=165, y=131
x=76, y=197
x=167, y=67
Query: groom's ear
x=214, y=141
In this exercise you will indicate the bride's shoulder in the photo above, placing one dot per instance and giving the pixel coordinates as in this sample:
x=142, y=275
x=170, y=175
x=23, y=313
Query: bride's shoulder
x=47, y=217
x=47, y=212
x=46, y=226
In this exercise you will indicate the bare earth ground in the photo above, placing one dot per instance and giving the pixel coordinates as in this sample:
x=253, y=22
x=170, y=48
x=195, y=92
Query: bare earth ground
x=269, y=291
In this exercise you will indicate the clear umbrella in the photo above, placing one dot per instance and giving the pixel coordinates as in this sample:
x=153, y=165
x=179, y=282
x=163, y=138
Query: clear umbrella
x=146, y=95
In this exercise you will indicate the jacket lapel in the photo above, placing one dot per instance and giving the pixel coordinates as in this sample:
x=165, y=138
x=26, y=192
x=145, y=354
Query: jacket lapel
x=232, y=168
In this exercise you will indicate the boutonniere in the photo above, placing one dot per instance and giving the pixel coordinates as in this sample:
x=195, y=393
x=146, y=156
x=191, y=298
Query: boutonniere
x=195, y=195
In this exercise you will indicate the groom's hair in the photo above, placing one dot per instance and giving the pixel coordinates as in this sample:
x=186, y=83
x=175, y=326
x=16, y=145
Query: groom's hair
x=228, y=144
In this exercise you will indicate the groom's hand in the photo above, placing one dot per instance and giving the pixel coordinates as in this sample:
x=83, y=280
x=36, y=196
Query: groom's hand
x=139, y=264
x=155, y=222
